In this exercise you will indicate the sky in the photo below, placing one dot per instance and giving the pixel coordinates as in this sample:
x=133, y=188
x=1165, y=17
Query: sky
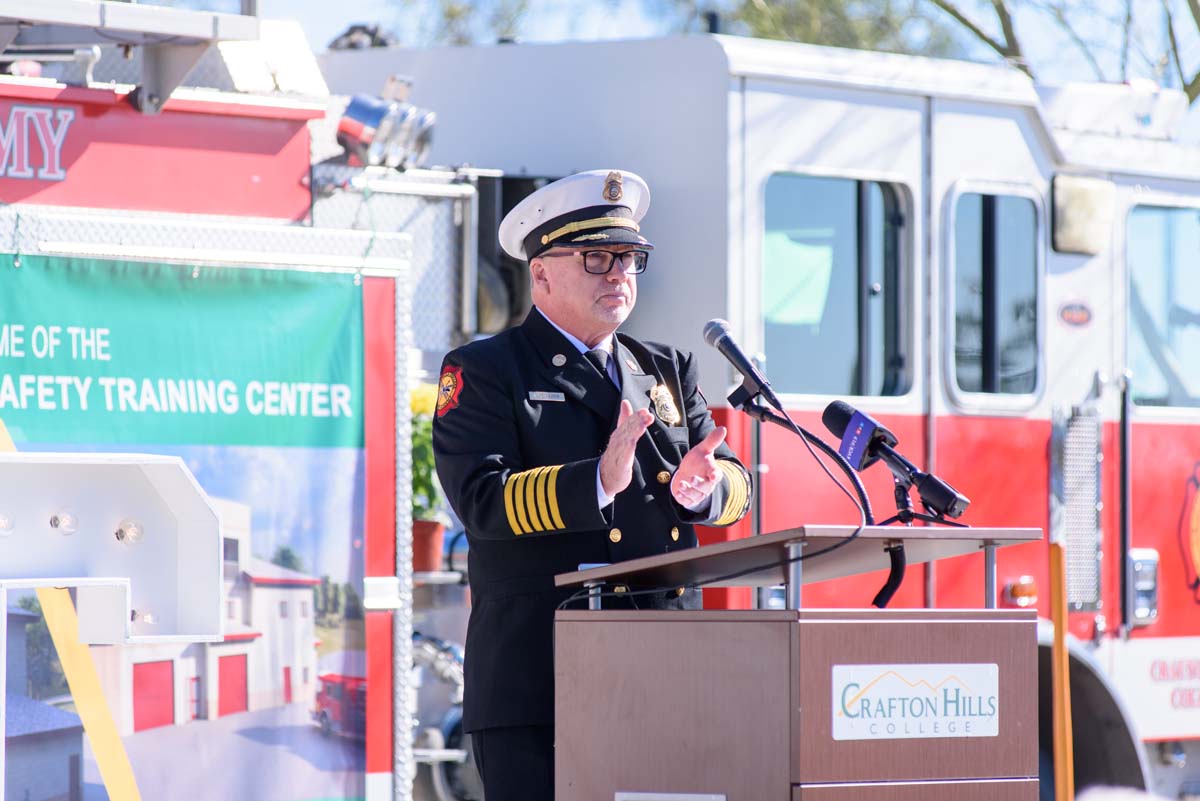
x=1051, y=53
x=548, y=20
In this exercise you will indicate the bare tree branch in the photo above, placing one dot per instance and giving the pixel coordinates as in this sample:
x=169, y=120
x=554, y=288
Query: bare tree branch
x=1125, y=37
x=963, y=20
x=1006, y=26
x=1194, y=7
x=1058, y=12
x=1174, y=44
x=1192, y=87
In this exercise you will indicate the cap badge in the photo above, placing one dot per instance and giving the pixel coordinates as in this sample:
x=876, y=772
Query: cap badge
x=664, y=405
x=612, y=187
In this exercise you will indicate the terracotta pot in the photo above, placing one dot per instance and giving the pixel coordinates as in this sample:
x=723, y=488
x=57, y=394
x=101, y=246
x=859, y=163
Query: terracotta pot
x=428, y=536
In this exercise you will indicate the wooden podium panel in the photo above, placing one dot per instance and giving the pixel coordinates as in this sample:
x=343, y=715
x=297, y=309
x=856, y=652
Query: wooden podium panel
x=739, y=704
x=1007, y=639
x=686, y=702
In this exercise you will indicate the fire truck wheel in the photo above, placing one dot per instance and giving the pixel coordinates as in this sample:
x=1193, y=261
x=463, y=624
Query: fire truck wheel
x=460, y=779
x=326, y=728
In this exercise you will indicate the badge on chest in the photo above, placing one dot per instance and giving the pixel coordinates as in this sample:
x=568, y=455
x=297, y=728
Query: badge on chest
x=664, y=405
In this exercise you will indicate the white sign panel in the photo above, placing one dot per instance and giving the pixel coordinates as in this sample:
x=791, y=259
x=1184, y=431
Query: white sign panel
x=1158, y=679
x=902, y=702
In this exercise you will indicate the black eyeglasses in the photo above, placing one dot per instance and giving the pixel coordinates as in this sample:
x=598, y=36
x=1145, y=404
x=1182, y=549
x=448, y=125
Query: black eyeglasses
x=599, y=262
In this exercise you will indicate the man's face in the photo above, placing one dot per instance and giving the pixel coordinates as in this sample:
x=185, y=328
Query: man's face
x=589, y=306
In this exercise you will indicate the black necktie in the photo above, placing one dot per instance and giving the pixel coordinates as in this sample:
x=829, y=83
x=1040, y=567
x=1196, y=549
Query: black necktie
x=600, y=359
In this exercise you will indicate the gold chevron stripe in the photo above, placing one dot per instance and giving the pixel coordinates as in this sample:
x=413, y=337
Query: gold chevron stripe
x=532, y=507
x=508, y=505
x=543, y=500
x=531, y=500
x=735, y=503
x=743, y=481
x=519, y=502
x=552, y=497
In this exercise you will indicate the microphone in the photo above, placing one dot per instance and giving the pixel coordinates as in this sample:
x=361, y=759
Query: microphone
x=858, y=447
x=864, y=441
x=716, y=334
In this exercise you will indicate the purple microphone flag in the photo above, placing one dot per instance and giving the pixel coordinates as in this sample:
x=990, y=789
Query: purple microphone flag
x=856, y=440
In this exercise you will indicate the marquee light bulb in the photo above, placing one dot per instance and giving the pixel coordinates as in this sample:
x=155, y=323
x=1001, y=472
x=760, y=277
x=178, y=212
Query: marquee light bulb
x=6, y=524
x=129, y=531
x=64, y=522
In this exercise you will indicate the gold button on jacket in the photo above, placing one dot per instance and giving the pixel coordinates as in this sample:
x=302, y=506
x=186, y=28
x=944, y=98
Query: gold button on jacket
x=674, y=533
x=615, y=535
x=664, y=477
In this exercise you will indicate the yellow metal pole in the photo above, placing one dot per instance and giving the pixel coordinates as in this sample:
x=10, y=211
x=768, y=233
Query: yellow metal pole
x=90, y=703
x=1064, y=743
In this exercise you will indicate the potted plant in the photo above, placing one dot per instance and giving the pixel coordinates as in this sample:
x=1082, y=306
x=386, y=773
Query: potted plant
x=429, y=517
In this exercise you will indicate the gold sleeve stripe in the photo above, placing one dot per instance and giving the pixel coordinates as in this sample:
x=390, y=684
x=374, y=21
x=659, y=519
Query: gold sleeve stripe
x=736, y=497
x=543, y=497
x=537, y=487
x=739, y=493
x=552, y=497
x=519, y=501
x=531, y=500
x=508, y=505
x=531, y=505
x=742, y=479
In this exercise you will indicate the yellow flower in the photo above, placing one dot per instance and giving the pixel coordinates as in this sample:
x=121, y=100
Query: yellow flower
x=423, y=399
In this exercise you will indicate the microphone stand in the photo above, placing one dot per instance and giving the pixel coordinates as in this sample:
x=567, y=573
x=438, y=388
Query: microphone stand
x=904, y=515
x=743, y=400
x=896, y=560
x=904, y=508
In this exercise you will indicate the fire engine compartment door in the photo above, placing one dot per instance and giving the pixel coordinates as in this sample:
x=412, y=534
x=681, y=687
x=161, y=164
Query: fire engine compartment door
x=1156, y=668
x=827, y=227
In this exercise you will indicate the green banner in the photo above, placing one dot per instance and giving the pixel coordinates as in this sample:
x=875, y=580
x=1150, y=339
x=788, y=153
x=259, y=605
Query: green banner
x=96, y=351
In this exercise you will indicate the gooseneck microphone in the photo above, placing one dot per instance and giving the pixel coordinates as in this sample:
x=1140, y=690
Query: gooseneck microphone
x=864, y=441
x=716, y=334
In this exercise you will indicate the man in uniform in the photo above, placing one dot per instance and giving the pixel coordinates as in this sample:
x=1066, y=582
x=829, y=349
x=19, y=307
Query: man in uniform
x=559, y=443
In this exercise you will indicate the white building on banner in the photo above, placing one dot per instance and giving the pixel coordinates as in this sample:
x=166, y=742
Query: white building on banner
x=266, y=659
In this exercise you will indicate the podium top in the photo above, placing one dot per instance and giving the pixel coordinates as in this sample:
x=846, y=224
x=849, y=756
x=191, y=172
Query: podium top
x=763, y=558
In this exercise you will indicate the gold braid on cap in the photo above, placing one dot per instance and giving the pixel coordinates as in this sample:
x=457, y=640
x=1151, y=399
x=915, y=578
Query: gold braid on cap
x=583, y=225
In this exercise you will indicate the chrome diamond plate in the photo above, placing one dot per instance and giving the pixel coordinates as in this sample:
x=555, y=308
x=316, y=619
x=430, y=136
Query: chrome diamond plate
x=1075, y=504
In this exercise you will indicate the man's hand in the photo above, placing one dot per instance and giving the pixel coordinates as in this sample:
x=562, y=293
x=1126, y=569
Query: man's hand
x=616, y=463
x=697, y=475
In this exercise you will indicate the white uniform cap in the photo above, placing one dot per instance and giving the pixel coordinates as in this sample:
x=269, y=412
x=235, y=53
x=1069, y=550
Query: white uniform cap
x=598, y=207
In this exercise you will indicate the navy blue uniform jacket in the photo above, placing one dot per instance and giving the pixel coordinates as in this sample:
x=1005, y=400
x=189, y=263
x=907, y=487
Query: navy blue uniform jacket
x=517, y=440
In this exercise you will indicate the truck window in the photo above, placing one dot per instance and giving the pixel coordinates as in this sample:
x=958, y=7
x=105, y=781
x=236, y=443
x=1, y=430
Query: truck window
x=1164, y=305
x=832, y=287
x=995, y=294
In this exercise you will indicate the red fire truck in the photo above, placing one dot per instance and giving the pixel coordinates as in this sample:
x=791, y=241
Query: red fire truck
x=129, y=145
x=1003, y=274
x=341, y=705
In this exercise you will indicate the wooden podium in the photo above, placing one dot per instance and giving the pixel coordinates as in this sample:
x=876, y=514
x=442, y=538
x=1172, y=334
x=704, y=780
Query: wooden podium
x=797, y=704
